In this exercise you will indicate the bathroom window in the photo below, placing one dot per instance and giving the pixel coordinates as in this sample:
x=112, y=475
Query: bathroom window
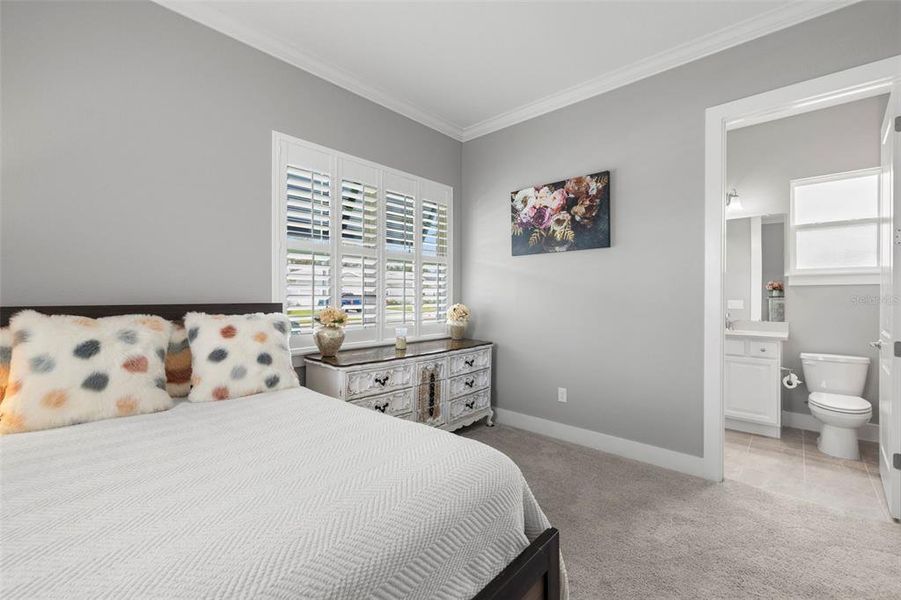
x=834, y=229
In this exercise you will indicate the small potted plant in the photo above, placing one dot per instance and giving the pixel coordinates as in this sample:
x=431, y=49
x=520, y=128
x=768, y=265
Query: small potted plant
x=457, y=319
x=330, y=334
x=776, y=289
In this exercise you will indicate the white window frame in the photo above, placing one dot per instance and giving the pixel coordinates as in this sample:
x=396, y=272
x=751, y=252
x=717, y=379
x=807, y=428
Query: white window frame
x=829, y=276
x=344, y=166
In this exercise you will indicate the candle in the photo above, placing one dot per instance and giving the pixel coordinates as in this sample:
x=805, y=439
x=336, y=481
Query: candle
x=400, y=341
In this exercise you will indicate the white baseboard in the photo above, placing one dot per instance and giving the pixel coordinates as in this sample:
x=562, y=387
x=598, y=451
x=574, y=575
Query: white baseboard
x=661, y=457
x=868, y=433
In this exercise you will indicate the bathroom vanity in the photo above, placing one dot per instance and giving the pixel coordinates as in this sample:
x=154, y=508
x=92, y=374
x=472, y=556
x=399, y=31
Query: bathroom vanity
x=752, y=393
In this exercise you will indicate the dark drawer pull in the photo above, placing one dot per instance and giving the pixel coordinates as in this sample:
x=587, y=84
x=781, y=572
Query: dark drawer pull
x=382, y=380
x=470, y=404
x=469, y=383
x=381, y=407
x=469, y=362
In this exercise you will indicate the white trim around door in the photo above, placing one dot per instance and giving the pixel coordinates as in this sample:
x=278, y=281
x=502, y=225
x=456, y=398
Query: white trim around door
x=865, y=81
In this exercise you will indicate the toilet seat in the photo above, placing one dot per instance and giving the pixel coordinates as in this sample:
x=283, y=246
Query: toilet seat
x=852, y=405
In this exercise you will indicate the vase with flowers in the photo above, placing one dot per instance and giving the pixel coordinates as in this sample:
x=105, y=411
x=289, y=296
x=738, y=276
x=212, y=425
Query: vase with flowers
x=457, y=319
x=775, y=289
x=330, y=334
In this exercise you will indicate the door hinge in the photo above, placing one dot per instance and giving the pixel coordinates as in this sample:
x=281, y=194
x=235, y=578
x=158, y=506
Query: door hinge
x=897, y=349
x=898, y=124
x=896, y=461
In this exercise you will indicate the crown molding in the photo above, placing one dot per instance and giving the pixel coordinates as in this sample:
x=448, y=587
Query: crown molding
x=745, y=31
x=734, y=35
x=206, y=14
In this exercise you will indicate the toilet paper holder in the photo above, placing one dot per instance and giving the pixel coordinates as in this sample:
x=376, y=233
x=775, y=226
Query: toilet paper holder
x=790, y=381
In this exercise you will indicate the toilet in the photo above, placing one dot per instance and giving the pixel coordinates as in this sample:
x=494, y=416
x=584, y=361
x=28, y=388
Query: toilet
x=836, y=383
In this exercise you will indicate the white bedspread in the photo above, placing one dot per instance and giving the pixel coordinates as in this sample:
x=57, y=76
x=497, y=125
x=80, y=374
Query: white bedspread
x=282, y=495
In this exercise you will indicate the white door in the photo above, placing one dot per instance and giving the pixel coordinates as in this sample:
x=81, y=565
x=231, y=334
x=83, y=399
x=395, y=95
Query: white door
x=890, y=309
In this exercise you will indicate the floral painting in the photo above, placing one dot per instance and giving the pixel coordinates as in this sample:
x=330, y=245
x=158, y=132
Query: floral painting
x=567, y=215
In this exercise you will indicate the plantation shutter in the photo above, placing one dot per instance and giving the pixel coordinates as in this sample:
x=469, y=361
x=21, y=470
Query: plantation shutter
x=400, y=212
x=307, y=213
x=359, y=289
x=434, y=292
x=358, y=249
x=359, y=214
x=308, y=288
x=434, y=248
x=400, y=293
x=368, y=239
x=434, y=229
x=308, y=205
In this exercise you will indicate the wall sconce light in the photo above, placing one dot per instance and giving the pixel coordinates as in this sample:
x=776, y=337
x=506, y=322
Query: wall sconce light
x=733, y=200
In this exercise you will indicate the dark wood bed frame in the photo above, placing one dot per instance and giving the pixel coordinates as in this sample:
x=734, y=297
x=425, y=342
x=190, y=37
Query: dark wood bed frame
x=533, y=575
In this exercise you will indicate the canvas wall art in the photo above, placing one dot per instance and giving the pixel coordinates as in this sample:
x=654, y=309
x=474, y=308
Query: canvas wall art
x=573, y=214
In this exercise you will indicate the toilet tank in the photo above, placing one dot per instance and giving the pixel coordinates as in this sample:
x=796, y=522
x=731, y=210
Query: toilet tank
x=835, y=373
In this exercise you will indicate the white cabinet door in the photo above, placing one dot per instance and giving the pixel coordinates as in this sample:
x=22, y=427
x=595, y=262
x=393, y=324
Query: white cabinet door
x=751, y=389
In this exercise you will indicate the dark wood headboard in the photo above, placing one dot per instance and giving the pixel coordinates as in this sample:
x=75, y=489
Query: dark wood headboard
x=172, y=312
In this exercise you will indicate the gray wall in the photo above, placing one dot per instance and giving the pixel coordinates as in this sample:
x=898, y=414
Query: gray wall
x=737, y=275
x=763, y=159
x=622, y=328
x=137, y=154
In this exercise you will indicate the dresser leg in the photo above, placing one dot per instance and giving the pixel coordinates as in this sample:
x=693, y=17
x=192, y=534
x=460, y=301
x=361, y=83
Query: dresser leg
x=489, y=420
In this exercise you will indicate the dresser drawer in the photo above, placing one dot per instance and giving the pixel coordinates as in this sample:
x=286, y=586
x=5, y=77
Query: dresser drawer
x=467, y=405
x=436, y=367
x=375, y=381
x=469, y=383
x=395, y=403
x=470, y=361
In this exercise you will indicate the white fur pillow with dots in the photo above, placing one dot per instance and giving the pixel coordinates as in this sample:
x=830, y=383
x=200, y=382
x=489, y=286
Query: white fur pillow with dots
x=238, y=355
x=67, y=370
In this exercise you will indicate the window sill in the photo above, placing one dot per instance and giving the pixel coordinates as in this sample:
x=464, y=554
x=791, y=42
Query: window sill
x=299, y=353
x=858, y=278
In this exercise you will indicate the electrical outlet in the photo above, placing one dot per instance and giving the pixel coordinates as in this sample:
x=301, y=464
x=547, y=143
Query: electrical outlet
x=561, y=394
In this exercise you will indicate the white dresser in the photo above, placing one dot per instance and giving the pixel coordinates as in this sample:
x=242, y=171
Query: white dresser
x=443, y=383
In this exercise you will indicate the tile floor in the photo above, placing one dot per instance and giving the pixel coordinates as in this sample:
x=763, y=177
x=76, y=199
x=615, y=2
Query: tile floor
x=793, y=466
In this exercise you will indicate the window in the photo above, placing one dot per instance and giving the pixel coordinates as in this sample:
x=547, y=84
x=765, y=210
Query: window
x=834, y=229
x=351, y=233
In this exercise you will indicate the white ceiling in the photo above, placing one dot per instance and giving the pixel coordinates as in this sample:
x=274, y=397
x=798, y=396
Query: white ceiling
x=467, y=69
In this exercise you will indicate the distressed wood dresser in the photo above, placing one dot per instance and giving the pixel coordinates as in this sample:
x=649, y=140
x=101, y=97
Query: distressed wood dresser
x=443, y=383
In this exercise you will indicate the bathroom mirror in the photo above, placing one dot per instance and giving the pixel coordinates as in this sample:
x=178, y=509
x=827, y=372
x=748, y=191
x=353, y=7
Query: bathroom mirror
x=755, y=256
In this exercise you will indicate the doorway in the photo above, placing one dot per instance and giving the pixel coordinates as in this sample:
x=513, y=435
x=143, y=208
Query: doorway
x=868, y=81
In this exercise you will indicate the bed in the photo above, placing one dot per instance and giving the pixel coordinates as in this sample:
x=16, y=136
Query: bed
x=286, y=494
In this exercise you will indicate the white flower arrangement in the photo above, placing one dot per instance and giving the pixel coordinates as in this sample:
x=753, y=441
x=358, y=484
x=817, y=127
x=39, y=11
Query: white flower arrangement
x=331, y=317
x=458, y=314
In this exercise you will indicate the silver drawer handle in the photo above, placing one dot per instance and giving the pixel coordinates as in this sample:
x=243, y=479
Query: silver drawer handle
x=763, y=349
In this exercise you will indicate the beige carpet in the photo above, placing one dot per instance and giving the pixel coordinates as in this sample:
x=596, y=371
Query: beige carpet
x=630, y=530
